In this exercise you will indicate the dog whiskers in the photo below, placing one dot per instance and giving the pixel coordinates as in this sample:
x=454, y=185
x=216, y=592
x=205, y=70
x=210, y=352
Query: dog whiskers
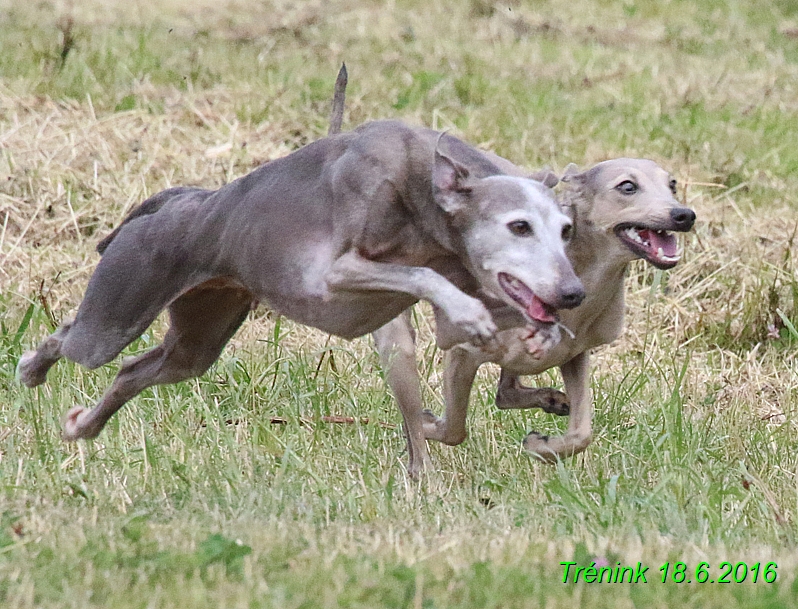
x=566, y=329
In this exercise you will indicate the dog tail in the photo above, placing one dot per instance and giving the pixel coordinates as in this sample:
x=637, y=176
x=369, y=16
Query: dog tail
x=150, y=206
x=337, y=114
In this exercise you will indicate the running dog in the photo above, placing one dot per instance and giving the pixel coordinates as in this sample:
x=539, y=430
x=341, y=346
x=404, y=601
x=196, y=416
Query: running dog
x=622, y=209
x=343, y=235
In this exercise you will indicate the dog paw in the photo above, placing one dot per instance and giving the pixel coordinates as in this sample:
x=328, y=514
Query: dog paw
x=419, y=469
x=435, y=429
x=75, y=425
x=538, y=446
x=433, y=425
x=550, y=449
x=541, y=339
x=472, y=317
x=547, y=399
x=430, y=418
x=556, y=402
x=27, y=372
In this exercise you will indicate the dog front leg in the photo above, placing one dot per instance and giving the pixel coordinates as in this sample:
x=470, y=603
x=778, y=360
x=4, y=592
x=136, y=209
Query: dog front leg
x=33, y=366
x=576, y=375
x=353, y=273
x=512, y=394
x=396, y=344
x=505, y=317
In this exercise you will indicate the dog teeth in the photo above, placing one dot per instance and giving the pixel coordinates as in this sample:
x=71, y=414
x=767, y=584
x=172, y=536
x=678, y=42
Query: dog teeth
x=634, y=236
x=661, y=255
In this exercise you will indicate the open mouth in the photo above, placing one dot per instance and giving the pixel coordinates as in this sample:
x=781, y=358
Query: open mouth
x=655, y=245
x=534, y=307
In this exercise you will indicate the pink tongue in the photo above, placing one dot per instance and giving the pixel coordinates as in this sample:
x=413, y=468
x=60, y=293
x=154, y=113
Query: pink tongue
x=666, y=241
x=536, y=309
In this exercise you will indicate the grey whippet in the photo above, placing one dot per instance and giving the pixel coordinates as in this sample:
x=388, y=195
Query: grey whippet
x=342, y=235
x=622, y=209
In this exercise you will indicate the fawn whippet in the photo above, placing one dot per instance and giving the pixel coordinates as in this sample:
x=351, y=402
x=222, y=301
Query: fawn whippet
x=622, y=209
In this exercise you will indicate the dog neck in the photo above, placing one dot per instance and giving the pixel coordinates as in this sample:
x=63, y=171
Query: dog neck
x=593, y=251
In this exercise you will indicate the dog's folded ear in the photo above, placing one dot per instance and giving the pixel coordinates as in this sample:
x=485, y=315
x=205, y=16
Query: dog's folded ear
x=449, y=183
x=546, y=177
x=572, y=174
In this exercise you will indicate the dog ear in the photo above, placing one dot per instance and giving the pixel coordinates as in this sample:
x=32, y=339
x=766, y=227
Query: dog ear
x=448, y=183
x=571, y=174
x=546, y=177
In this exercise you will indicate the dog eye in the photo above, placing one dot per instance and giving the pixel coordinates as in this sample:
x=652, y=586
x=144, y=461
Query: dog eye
x=521, y=228
x=672, y=186
x=567, y=232
x=627, y=187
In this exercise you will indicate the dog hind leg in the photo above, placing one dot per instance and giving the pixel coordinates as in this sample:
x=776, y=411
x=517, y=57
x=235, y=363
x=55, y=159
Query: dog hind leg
x=576, y=375
x=202, y=321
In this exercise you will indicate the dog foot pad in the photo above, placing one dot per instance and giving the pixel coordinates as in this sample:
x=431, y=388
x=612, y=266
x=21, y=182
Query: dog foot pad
x=557, y=403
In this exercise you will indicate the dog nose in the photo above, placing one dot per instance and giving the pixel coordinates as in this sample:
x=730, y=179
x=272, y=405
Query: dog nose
x=683, y=218
x=571, y=297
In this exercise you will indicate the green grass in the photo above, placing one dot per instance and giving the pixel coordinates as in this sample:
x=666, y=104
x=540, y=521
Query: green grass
x=232, y=490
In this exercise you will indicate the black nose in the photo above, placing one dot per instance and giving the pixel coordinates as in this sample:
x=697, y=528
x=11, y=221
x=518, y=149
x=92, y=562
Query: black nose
x=571, y=298
x=683, y=218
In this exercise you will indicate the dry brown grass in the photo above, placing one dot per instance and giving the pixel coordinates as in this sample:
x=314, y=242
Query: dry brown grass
x=70, y=176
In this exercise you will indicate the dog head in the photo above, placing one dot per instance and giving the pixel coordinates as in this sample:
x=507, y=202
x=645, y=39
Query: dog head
x=634, y=200
x=514, y=234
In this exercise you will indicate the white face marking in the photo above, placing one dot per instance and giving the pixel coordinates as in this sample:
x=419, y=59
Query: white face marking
x=541, y=211
x=536, y=259
x=519, y=214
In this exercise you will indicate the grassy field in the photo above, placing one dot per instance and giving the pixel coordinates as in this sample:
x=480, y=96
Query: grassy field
x=231, y=490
